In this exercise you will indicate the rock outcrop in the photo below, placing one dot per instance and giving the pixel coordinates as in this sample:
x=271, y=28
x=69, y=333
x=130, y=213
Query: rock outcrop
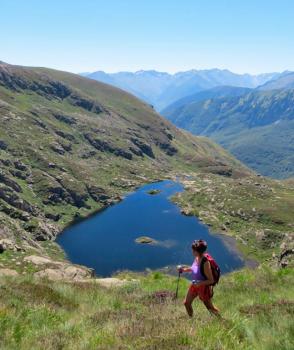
x=58, y=270
x=8, y=273
x=143, y=146
x=106, y=146
x=8, y=244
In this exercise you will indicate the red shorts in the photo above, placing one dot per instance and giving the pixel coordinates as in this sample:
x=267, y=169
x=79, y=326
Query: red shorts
x=204, y=293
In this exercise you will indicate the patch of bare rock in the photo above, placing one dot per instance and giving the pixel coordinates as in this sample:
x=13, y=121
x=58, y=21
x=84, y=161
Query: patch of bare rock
x=8, y=273
x=63, y=271
x=58, y=270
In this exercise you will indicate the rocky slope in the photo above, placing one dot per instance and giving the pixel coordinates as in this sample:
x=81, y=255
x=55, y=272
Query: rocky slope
x=70, y=146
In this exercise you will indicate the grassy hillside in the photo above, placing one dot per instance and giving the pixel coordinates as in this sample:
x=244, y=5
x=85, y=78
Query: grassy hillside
x=257, y=128
x=257, y=309
x=70, y=146
x=256, y=211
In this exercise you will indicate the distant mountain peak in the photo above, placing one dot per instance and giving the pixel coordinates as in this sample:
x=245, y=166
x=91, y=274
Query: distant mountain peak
x=151, y=71
x=162, y=88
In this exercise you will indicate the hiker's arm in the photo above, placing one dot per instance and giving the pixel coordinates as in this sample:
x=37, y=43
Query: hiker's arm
x=184, y=269
x=208, y=275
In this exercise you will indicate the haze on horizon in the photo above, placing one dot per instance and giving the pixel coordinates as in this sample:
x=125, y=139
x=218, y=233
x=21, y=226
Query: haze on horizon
x=167, y=36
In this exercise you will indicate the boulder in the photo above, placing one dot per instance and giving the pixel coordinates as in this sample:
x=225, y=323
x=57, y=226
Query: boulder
x=79, y=198
x=20, y=166
x=88, y=154
x=66, y=146
x=136, y=151
x=41, y=260
x=38, y=122
x=6, y=162
x=8, y=273
x=286, y=256
x=51, y=216
x=75, y=272
x=45, y=231
x=51, y=274
x=112, y=282
x=222, y=170
x=3, y=145
x=58, y=270
x=19, y=174
x=9, y=182
x=8, y=244
x=57, y=148
x=65, y=135
x=87, y=104
x=123, y=153
x=65, y=119
x=98, y=193
x=56, y=194
x=11, y=197
x=65, y=272
x=167, y=148
x=143, y=146
x=106, y=146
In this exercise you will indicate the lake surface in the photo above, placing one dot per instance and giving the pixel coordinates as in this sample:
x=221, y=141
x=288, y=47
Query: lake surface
x=106, y=241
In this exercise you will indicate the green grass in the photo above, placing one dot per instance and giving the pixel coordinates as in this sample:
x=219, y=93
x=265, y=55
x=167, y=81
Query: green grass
x=268, y=206
x=257, y=309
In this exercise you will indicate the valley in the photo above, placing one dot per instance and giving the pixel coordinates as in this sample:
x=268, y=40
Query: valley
x=256, y=126
x=85, y=144
x=71, y=147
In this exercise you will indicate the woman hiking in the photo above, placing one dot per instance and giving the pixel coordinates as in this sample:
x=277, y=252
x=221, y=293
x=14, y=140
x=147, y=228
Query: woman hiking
x=201, y=281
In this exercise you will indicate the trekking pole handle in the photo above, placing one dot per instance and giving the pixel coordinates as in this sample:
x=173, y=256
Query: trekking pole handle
x=180, y=269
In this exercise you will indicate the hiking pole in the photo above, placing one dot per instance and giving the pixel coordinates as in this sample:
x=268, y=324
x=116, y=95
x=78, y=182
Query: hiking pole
x=177, y=290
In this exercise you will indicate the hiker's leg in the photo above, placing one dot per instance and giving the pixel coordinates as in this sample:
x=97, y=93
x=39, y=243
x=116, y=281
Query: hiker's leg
x=188, y=302
x=211, y=308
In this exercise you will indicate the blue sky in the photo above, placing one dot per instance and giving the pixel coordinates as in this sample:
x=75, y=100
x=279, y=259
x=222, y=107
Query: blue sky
x=252, y=36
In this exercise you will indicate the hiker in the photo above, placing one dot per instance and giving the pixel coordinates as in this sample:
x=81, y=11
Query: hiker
x=202, y=279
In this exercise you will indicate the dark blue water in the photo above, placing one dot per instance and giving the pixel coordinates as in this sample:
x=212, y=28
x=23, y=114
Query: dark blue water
x=106, y=241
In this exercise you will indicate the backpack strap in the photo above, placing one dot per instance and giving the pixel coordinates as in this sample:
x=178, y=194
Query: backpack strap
x=203, y=261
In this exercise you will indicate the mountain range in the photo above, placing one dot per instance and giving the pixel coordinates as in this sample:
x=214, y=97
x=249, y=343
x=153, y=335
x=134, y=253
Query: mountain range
x=257, y=125
x=161, y=89
x=212, y=103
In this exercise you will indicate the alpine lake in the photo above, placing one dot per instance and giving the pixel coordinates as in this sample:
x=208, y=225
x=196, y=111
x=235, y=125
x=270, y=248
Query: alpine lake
x=146, y=230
